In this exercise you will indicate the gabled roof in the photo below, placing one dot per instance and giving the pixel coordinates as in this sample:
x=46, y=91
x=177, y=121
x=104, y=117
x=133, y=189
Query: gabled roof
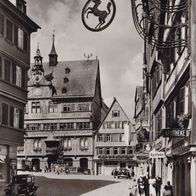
x=110, y=110
x=80, y=77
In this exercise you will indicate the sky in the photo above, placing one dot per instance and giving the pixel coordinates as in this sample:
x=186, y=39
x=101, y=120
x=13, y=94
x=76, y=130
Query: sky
x=118, y=48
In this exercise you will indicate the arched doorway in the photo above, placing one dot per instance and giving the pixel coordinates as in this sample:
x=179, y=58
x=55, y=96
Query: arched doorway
x=52, y=159
x=35, y=165
x=84, y=163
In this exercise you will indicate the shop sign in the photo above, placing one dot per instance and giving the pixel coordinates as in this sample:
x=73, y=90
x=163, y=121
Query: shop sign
x=156, y=155
x=175, y=132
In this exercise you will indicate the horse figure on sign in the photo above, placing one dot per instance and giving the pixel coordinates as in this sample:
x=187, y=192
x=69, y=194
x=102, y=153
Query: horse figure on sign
x=102, y=14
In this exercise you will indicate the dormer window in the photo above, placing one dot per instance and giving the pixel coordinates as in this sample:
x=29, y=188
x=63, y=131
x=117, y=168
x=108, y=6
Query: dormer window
x=115, y=113
x=66, y=80
x=67, y=70
x=64, y=90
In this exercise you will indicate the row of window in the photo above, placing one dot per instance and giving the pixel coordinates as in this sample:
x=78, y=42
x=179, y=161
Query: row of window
x=13, y=33
x=12, y=73
x=111, y=137
x=114, y=124
x=53, y=107
x=11, y=116
x=113, y=151
x=181, y=104
x=66, y=144
x=58, y=126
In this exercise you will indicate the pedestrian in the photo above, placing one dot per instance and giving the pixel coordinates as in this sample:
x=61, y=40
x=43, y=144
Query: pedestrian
x=146, y=185
x=133, y=188
x=158, y=186
x=152, y=185
x=166, y=191
x=170, y=187
x=140, y=185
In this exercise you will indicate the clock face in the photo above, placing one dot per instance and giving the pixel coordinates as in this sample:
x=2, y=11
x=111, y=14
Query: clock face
x=37, y=78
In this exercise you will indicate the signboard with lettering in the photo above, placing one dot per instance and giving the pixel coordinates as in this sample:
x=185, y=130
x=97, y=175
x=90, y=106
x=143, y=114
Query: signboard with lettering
x=175, y=132
x=156, y=155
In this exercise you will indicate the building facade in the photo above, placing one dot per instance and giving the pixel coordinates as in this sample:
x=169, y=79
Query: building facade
x=15, y=30
x=170, y=84
x=63, y=111
x=112, y=142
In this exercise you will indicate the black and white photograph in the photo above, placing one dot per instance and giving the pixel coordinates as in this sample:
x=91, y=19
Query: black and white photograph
x=97, y=98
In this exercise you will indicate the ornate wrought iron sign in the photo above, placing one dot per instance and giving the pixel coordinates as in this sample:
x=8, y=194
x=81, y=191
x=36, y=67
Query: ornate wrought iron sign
x=160, y=22
x=98, y=15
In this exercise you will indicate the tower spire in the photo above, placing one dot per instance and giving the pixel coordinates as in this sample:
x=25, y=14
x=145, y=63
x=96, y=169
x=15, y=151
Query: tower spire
x=38, y=60
x=53, y=54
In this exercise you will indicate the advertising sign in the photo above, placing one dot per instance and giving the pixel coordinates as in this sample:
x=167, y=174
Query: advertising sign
x=175, y=132
x=156, y=155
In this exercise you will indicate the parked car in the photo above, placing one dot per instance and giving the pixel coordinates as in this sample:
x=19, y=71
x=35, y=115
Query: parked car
x=123, y=173
x=21, y=185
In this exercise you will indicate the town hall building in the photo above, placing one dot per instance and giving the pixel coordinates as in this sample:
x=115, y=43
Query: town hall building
x=62, y=114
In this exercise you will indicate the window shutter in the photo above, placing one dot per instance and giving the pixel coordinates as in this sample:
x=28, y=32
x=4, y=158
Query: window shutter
x=25, y=44
x=21, y=119
x=23, y=79
x=11, y=116
x=15, y=35
x=1, y=24
x=13, y=73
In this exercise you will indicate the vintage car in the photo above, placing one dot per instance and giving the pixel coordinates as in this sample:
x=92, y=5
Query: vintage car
x=22, y=185
x=123, y=173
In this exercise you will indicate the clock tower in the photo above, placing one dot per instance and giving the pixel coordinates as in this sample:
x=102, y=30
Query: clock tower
x=37, y=69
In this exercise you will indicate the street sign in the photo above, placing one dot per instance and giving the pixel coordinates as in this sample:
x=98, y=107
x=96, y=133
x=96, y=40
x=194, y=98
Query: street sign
x=175, y=132
x=156, y=155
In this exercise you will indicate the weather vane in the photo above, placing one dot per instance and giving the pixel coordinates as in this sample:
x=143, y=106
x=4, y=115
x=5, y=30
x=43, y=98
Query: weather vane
x=98, y=15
